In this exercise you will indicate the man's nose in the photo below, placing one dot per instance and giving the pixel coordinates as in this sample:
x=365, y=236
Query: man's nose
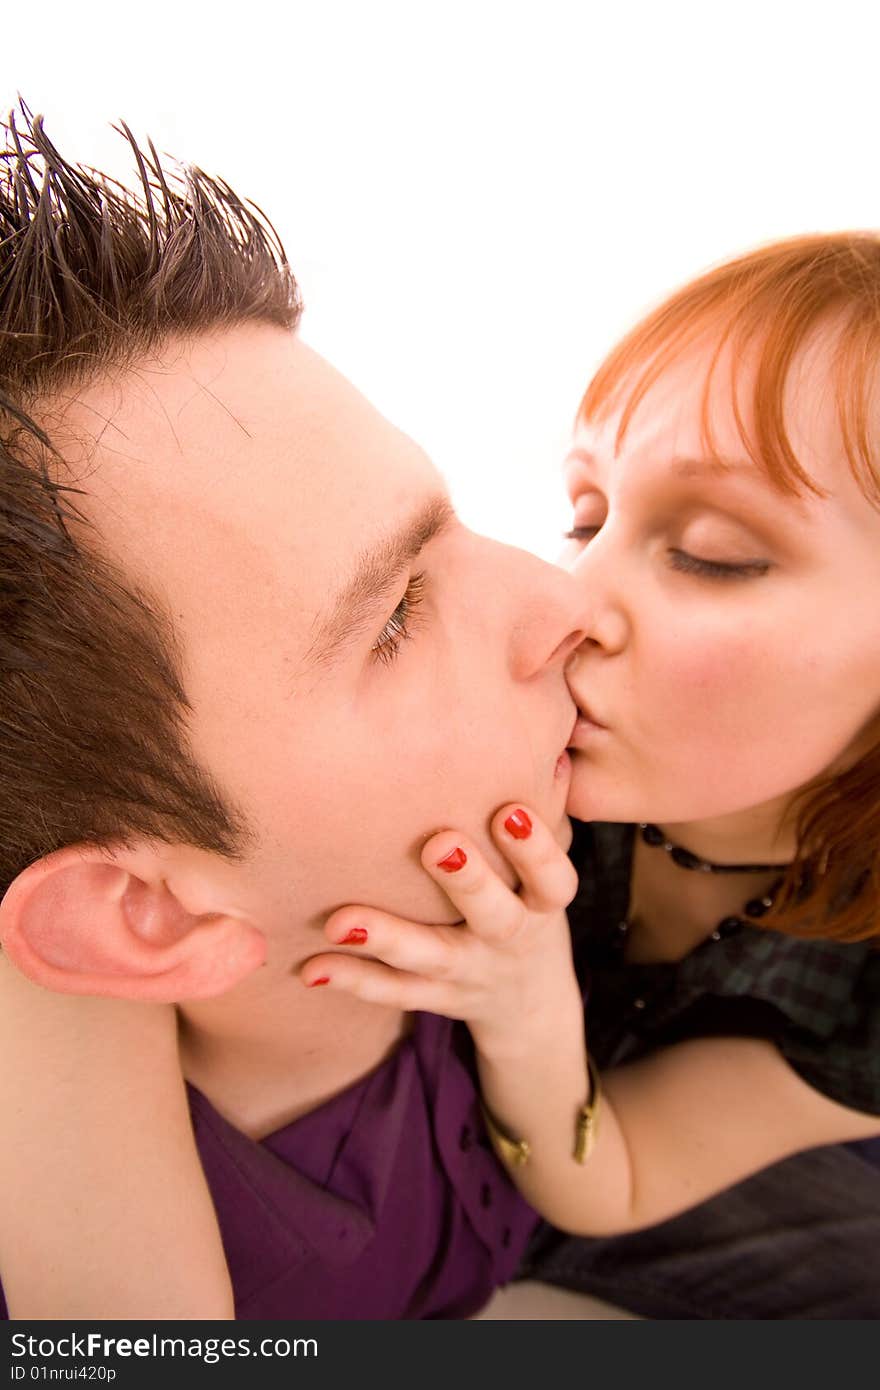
x=547, y=623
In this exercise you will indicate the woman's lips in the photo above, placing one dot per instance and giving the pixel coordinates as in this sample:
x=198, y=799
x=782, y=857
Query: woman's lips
x=585, y=726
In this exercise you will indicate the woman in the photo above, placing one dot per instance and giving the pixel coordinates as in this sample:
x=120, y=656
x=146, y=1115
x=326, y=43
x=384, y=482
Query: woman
x=727, y=533
x=725, y=482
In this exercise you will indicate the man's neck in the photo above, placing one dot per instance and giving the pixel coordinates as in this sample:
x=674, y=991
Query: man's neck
x=271, y=1050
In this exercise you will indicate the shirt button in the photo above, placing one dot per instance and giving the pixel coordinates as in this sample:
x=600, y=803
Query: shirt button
x=485, y=1195
x=465, y=1138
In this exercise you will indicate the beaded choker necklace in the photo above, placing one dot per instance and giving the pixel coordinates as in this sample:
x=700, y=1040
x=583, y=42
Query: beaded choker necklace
x=728, y=926
x=653, y=835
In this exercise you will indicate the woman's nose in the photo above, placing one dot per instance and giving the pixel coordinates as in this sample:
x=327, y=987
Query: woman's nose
x=604, y=601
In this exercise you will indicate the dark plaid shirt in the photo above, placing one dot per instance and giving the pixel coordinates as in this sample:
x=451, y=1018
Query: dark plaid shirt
x=818, y=1001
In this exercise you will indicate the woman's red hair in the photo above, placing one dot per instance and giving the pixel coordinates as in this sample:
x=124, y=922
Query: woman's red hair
x=765, y=307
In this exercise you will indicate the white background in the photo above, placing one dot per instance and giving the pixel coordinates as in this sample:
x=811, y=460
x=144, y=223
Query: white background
x=478, y=198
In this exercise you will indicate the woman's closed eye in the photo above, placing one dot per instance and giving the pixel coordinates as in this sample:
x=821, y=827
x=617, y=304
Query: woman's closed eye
x=686, y=563
x=399, y=627
x=580, y=533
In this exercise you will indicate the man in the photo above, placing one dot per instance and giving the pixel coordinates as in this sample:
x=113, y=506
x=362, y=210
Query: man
x=245, y=677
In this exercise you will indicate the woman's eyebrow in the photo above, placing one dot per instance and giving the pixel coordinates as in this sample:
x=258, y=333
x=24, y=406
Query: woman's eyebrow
x=579, y=455
x=373, y=575
x=683, y=467
x=712, y=466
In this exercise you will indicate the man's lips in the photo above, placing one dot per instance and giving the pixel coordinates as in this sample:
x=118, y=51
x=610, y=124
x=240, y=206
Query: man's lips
x=563, y=761
x=572, y=730
x=582, y=727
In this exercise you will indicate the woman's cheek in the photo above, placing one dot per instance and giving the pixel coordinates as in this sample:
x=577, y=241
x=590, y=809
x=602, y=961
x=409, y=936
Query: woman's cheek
x=721, y=664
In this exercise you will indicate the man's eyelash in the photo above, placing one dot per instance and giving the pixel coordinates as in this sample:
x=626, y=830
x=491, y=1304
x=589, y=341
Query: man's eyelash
x=398, y=628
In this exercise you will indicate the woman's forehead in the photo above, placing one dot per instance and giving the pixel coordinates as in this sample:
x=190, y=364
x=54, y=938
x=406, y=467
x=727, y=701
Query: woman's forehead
x=719, y=399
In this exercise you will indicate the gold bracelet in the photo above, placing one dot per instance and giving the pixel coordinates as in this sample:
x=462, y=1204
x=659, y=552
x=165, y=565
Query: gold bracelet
x=516, y=1152
x=587, y=1125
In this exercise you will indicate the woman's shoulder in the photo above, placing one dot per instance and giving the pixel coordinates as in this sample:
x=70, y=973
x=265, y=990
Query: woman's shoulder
x=830, y=995
x=823, y=997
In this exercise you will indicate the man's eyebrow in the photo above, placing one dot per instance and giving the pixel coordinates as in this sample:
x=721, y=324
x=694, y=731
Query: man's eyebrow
x=373, y=575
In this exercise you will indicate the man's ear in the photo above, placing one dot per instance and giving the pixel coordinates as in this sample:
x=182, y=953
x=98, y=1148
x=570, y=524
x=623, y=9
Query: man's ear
x=88, y=921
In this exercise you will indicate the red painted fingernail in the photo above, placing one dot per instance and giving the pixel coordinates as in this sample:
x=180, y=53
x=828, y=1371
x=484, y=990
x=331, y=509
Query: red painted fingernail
x=324, y=980
x=356, y=937
x=518, y=825
x=455, y=860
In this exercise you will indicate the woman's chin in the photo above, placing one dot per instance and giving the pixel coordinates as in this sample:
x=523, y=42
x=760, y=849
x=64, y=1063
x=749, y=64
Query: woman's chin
x=589, y=800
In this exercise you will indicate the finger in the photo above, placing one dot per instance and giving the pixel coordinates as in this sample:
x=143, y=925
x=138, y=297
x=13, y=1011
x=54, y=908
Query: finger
x=376, y=983
x=432, y=952
x=547, y=876
x=491, y=909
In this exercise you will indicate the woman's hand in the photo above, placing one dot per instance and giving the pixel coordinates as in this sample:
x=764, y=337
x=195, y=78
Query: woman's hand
x=506, y=970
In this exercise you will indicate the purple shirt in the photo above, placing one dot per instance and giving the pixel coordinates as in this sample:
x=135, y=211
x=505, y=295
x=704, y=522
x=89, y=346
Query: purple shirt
x=386, y=1202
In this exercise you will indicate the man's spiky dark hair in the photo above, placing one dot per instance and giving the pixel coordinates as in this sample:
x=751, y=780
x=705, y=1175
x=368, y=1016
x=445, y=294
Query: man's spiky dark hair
x=91, y=270
x=93, y=711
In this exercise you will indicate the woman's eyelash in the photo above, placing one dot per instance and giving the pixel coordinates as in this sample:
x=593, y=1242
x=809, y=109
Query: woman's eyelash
x=685, y=563
x=716, y=569
x=398, y=628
